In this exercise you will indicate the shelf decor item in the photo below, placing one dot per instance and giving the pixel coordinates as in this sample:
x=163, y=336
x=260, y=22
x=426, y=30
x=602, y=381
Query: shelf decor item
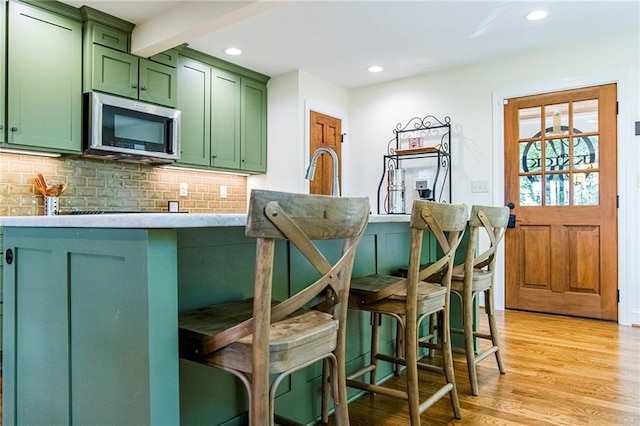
x=415, y=143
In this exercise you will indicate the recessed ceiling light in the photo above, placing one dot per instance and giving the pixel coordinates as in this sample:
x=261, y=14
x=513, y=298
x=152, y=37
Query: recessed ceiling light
x=536, y=15
x=233, y=51
x=375, y=68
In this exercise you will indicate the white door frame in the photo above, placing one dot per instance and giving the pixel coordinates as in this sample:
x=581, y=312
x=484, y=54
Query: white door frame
x=628, y=294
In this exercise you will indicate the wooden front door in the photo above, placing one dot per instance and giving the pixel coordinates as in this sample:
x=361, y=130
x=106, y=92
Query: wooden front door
x=560, y=175
x=325, y=131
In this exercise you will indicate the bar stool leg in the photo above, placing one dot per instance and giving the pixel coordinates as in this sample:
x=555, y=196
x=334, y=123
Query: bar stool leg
x=493, y=328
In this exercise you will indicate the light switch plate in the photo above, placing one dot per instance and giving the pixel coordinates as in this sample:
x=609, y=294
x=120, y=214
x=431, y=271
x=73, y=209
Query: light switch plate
x=223, y=191
x=479, y=186
x=173, y=206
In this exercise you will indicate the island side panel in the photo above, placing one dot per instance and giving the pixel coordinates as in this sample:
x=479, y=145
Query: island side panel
x=115, y=311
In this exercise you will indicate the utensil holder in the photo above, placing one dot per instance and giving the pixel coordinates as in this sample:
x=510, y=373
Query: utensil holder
x=51, y=205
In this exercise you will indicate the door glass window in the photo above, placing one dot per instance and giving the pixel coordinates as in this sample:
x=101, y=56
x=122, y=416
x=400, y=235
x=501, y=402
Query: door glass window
x=556, y=120
x=530, y=122
x=556, y=190
x=558, y=146
x=530, y=153
x=585, y=116
x=530, y=190
x=556, y=155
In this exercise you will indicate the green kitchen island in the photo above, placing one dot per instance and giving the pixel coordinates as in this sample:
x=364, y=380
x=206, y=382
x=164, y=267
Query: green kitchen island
x=91, y=303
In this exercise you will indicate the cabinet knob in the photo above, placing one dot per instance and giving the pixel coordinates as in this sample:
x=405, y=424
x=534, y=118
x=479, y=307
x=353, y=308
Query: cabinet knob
x=143, y=87
x=14, y=129
x=134, y=86
x=214, y=157
x=1, y=127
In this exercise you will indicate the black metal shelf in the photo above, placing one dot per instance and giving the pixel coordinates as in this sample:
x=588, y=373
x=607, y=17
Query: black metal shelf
x=429, y=129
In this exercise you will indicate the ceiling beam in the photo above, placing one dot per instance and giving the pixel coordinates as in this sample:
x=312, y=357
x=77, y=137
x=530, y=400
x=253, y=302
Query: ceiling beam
x=190, y=20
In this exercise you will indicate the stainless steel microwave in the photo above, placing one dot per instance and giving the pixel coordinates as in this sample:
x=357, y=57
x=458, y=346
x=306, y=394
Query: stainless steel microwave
x=129, y=130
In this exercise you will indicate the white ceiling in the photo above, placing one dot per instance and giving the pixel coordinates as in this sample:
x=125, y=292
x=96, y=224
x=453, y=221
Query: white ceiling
x=339, y=40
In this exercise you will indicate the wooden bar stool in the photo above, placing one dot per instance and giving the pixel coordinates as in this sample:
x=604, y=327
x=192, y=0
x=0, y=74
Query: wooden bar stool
x=258, y=337
x=409, y=300
x=476, y=276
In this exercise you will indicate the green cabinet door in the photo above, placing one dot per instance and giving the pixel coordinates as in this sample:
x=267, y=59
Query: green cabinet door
x=91, y=327
x=122, y=74
x=3, y=73
x=108, y=37
x=115, y=72
x=44, y=99
x=225, y=119
x=253, y=135
x=194, y=100
x=157, y=83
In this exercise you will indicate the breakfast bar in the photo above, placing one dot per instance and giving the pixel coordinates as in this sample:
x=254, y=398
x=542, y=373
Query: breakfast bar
x=91, y=305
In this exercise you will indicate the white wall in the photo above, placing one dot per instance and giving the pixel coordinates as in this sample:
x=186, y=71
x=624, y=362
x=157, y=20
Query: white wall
x=284, y=136
x=471, y=96
x=290, y=98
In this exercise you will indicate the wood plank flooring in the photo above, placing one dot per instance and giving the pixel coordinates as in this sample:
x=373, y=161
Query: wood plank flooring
x=559, y=371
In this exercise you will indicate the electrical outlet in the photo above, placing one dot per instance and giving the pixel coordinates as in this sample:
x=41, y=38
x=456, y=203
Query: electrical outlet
x=479, y=186
x=223, y=191
x=184, y=189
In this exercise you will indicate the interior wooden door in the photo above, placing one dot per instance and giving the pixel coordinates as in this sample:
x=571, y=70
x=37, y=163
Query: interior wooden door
x=560, y=175
x=325, y=131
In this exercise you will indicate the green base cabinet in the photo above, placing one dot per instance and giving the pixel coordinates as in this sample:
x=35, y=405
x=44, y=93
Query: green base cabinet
x=90, y=335
x=44, y=80
x=90, y=324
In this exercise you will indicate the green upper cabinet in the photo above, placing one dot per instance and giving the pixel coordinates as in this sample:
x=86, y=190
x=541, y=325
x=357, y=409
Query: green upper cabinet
x=194, y=100
x=157, y=83
x=3, y=75
x=123, y=74
x=223, y=118
x=44, y=80
x=108, y=37
x=253, y=140
x=110, y=68
x=115, y=72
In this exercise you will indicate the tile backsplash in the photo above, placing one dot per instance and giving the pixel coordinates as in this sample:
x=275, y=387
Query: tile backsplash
x=109, y=185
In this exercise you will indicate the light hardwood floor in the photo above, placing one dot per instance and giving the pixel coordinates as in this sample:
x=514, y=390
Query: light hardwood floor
x=559, y=371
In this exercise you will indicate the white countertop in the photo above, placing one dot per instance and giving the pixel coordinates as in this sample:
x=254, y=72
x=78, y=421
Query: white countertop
x=149, y=220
